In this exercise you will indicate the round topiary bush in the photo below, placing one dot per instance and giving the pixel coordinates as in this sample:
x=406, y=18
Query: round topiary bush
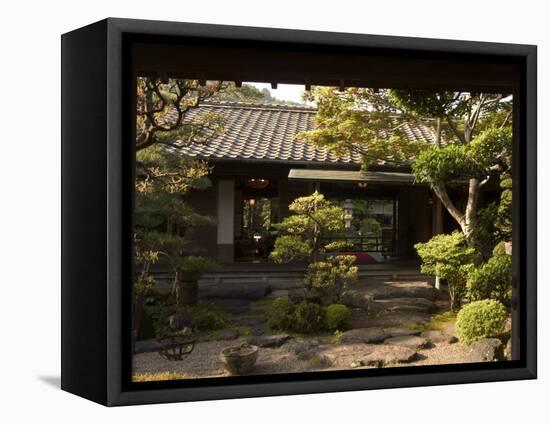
x=480, y=319
x=281, y=315
x=308, y=317
x=337, y=317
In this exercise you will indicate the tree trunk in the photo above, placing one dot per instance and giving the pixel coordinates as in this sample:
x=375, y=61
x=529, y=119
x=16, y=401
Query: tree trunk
x=187, y=293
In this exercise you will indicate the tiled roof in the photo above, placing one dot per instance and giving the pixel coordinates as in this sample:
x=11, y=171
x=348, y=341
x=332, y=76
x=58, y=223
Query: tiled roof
x=267, y=132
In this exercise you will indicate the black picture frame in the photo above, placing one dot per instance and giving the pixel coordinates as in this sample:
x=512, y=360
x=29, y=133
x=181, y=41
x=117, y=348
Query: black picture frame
x=97, y=64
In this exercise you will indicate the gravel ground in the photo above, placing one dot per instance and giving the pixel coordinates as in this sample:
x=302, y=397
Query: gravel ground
x=204, y=361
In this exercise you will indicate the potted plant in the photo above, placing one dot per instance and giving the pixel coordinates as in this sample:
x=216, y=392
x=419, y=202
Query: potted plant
x=189, y=270
x=239, y=359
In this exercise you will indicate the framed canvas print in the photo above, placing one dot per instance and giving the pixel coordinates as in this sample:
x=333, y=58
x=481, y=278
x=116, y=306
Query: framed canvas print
x=251, y=212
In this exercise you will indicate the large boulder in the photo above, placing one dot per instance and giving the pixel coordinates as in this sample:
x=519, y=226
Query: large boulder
x=486, y=350
x=385, y=355
x=364, y=335
x=356, y=299
x=410, y=341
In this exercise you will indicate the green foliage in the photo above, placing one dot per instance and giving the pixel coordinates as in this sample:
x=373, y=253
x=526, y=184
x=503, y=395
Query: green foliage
x=281, y=315
x=473, y=130
x=358, y=120
x=207, y=317
x=337, y=337
x=203, y=317
x=299, y=235
x=337, y=317
x=290, y=248
x=191, y=267
x=492, y=280
x=480, y=319
x=330, y=277
x=304, y=317
x=308, y=318
x=449, y=257
x=504, y=214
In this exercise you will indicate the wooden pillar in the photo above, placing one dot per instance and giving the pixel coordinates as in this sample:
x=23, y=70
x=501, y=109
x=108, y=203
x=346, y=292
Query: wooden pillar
x=226, y=221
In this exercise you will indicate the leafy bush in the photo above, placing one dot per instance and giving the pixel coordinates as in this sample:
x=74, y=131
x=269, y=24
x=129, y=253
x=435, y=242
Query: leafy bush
x=191, y=267
x=281, y=315
x=308, y=317
x=337, y=317
x=289, y=248
x=207, y=317
x=449, y=257
x=492, y=280
x=480, y=319
x=329, y=278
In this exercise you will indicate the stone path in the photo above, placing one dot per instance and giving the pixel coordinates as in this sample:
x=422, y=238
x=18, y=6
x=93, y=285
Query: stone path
x=387, y=317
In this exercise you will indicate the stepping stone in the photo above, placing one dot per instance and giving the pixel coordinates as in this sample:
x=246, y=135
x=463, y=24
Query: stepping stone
x=420, y=305
x=438, y=337
x=269, y=341
x=363, y=335
x=410, y=341
x=400, y=319
x=391, y=332
x=384, y=355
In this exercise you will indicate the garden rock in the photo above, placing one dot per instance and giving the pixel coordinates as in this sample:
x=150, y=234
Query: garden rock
x=146, y=346
x=363, y=335
x=356, y=299
x=486, y=350
x=228, y=334
x=395, y=331
x=302, y=349
x=410, y=341
x=508, y=349
x=269, y=341
x=384, y=355
x=419, y=305
x=438, y=337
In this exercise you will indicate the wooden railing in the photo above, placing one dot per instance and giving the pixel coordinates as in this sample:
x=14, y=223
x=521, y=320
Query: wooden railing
x=363, y=243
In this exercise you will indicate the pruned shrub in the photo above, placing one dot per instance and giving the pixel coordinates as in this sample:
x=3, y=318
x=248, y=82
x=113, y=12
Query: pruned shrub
x=492, y=280
x=329, y=278
x=337, y=317
x=308, y=318
x=480, y=319
x=281, y=315
x=449, y=257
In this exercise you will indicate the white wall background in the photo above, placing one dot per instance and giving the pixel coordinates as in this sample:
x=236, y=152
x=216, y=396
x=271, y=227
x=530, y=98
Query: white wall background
x=30, y=212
